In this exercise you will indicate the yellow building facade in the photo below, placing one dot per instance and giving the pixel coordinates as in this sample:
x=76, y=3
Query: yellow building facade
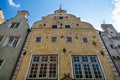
x=62, y=47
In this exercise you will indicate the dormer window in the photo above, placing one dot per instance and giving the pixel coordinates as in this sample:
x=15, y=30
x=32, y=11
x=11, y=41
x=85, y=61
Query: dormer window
x=61, y=17
x=54, y=26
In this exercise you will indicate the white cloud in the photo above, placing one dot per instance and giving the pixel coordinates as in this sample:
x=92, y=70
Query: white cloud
x=13, y=4
x=116, y=14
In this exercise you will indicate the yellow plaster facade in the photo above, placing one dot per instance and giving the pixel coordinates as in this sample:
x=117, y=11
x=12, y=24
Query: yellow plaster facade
x=63, y=49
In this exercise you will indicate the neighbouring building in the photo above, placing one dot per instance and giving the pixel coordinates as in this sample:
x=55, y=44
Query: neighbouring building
x=13, y=33
x=1, y=16
x=62, y=47
x=111, y=40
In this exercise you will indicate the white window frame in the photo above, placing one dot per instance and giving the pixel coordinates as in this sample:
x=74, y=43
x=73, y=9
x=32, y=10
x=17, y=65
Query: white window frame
x=31, y=58
x=98, y=60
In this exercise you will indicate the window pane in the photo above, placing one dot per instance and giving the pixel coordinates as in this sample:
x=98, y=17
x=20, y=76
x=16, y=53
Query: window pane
x=84, y=59
x=85, y=40
x=67, y=26
x=38, y=39
x=15, y=25
x=86, y=67
x=53, y=58
x=10, y=41
x=15, y=42
x=54, y=26
x=97, y=71
x=54, y=39
x=43, y=67
x=76, y=59
x=33, y=70
x=52, y=70
x=43, y=70
x=87, y=71
x=36, y=58
x=77, y=71
x=44, y=58
x=93, y=59
x=69, y=39
x=12, y=25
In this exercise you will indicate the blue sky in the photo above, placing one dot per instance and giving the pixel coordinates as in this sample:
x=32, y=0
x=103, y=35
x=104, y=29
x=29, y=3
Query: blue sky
x=92, y=11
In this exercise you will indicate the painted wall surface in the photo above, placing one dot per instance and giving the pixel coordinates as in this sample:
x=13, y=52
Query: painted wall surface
x=112, y=41
x=78, y=30
x=10, y=54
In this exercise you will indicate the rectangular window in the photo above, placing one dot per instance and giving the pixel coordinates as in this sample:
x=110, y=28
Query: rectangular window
x=12, y=42
x=53, y=39
x=15, y=25
x=67, y=26
x=38, y=39
x=85, y=40
x=54, y=26
x=60, y=17
x=69, y=39
x=1, y=62
x=43, y=67
x=86, y=67
x=1, y=37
